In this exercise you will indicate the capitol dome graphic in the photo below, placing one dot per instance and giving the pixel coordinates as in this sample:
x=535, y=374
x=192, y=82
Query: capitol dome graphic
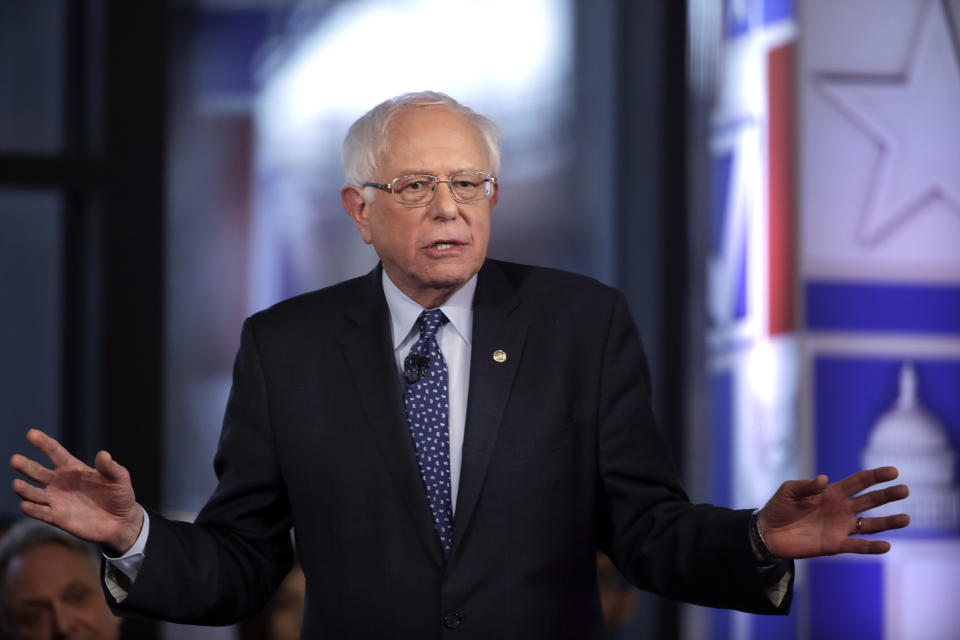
x=912, y=439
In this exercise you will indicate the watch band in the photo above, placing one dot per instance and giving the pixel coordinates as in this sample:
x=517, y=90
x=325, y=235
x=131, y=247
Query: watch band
x=759, y=542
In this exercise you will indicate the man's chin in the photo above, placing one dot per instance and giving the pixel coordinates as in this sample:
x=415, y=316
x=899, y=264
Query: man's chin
x=445, y=287
x=439, y=288
x=451, y=277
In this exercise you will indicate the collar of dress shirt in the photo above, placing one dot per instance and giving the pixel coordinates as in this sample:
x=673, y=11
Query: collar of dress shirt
x=404, y=311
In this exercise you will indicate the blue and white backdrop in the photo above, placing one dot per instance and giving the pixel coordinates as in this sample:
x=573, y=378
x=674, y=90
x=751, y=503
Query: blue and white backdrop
x=879, y=87
x=833, y=292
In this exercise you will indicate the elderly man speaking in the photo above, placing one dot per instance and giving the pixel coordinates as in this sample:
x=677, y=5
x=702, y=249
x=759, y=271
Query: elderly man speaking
x=452, y=439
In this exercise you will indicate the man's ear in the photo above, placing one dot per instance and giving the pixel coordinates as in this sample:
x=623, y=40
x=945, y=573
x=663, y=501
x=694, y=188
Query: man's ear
x=358, y=208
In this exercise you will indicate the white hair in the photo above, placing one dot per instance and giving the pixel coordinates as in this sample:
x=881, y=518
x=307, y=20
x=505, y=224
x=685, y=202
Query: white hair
x=367, y=139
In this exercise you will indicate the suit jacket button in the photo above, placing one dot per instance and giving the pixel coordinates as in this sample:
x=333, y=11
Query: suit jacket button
x=452, y=620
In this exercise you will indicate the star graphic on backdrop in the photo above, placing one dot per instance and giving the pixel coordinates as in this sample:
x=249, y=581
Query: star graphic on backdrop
x=914, y=119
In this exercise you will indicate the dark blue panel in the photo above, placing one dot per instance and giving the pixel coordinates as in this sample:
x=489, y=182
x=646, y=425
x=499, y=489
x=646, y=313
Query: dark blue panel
x=769, y=11
x=721, y=396
x=719, y=196
x=32, y=76
x=734, y=25
x=32, y=290
x=851, y=394
x=846, y=599
x=721, y=624
x=774, y=627
x=720, y=219
x=938, y=389
x=743, y=282
x=834, y=306
x=226, y=43
x=777, y=10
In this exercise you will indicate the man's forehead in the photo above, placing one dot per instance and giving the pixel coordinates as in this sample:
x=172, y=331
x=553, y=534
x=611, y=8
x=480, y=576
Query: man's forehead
x=72, y=585
x=50, y=554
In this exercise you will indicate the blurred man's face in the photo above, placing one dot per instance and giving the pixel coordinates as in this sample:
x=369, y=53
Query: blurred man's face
x=53, y=593
x=427, y=251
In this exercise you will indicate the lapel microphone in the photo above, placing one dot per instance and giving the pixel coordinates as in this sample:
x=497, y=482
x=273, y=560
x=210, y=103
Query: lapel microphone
x=415, y=367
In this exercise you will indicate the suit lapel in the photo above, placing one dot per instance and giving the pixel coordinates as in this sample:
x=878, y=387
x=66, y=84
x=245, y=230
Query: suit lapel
x=368, y=351
x=495, y=328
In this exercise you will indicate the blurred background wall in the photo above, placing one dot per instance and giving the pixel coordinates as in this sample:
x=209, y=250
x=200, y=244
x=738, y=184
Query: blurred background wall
x=774, y=184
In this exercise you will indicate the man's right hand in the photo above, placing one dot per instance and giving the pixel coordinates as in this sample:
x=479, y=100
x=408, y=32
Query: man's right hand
x=96, y=504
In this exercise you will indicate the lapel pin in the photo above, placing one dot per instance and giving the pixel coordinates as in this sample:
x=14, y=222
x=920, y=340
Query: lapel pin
x=499, y=356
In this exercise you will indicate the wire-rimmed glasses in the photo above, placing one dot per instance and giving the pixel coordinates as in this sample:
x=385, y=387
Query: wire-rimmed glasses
x=419, y=190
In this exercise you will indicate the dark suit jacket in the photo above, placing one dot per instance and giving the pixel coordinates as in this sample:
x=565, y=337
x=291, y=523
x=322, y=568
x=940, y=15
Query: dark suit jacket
x=562, y=456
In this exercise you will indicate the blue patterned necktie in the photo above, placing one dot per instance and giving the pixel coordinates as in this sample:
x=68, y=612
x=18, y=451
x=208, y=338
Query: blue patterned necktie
x=426, y=404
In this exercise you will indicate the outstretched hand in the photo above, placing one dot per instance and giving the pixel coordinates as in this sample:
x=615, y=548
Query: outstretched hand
x=96, y=504
x=807, y=518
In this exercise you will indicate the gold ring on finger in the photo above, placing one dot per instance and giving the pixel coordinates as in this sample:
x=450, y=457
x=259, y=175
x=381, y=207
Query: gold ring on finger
x=859, y=525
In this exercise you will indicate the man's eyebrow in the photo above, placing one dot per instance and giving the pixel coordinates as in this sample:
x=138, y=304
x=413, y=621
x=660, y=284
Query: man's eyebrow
x=76, y=584
x=32, y=602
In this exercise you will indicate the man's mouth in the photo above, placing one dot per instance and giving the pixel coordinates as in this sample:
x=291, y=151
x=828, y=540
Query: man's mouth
x=443, y=246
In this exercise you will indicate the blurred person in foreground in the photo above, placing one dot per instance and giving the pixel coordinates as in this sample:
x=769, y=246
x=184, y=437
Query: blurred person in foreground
x=452, y=438
x=617, y=597
x=282, y=618
x=50, y=586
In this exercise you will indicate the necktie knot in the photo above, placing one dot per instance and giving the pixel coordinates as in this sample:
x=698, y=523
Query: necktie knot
x=430, y=321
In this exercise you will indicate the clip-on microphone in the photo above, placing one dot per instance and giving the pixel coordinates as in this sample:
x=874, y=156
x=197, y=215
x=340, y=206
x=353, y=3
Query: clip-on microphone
x=415, y=367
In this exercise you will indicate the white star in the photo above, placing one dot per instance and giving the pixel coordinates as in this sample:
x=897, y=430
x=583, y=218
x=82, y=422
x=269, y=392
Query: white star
x=914, y=118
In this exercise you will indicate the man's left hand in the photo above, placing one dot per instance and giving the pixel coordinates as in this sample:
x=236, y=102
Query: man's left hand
x=807, y=518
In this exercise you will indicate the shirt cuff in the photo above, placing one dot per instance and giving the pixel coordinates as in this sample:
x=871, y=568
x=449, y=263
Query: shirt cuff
x=776, y=578
x=120, y=572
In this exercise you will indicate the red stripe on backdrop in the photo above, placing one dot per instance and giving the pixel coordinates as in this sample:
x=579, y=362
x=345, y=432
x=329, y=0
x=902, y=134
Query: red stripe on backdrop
x=782, y=189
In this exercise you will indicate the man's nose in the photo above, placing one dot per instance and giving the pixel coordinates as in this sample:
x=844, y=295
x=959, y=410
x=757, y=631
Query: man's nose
x=444, y=205
x=64, y=622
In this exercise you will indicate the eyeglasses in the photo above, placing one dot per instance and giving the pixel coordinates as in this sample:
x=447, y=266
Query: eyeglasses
x=419, y=190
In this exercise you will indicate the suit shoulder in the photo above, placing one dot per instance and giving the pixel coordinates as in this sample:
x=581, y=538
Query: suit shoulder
x=547, y=283
x=314, y=307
